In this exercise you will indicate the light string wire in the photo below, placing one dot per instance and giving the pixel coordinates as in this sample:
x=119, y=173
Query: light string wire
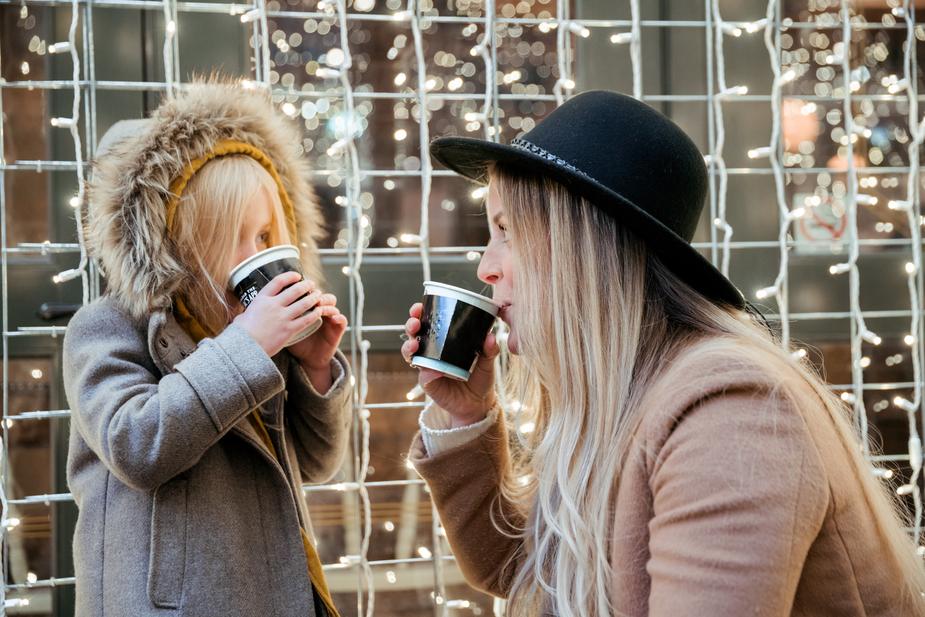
x=913, y=268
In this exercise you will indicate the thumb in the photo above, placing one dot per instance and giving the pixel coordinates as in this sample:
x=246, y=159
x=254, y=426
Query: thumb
x=490, y=349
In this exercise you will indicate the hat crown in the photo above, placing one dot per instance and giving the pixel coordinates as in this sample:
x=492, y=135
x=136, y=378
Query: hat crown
x=629, y=148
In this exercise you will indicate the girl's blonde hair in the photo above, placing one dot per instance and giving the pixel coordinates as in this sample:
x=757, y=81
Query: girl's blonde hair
x=583, y=382
x=208, y=220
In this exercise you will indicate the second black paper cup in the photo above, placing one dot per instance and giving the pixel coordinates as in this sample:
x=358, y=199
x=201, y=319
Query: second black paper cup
x=454, y=324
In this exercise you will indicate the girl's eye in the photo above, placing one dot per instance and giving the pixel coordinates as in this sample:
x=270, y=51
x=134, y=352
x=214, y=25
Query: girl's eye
x=264, y=238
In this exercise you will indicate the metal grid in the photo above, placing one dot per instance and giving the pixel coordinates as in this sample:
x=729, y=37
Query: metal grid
x=721, y=246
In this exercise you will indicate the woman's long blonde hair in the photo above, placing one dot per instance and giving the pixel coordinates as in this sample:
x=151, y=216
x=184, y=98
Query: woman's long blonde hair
x=208, y=220
x=582, y=383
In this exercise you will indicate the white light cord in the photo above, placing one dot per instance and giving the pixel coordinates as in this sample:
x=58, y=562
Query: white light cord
x=914, y=267
x=779, y=288
x=360, y=225
x=636, y=48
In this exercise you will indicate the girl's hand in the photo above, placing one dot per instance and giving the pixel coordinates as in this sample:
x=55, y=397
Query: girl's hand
x=276, y=314
x=316, y=352
x=467, y=402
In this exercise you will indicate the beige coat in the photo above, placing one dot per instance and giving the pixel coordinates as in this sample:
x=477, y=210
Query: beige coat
x=731, y=503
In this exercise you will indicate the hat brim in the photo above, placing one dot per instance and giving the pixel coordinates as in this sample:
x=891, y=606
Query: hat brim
x=471, y=158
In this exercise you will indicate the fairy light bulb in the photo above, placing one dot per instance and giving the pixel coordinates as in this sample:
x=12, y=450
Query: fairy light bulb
x=757, y=153
x=327, y=73
x=879, y=472
x=621, y=38
x=67, y=275
x=479, y=193
x=579, y=29
x=755, y=26
x=732, y=30
x=60, y=48
x=416, y=392
x=871, y=337
x=734, y=91
x=766, y=292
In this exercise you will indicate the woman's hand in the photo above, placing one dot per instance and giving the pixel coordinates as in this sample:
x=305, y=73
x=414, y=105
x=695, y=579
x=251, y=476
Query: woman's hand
x=467, y=402
x=277, y=313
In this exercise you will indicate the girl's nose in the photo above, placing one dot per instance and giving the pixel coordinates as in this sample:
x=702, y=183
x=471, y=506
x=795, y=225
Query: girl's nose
x=246, y=250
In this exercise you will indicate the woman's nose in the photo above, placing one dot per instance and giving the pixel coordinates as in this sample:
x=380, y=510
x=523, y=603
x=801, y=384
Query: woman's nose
x=489, y=268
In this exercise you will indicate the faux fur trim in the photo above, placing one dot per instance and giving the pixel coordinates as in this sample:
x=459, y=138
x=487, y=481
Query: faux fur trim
x=125, y=217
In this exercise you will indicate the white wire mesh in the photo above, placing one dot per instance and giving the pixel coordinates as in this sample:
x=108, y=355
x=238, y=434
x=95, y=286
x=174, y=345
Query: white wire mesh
x=345, y=161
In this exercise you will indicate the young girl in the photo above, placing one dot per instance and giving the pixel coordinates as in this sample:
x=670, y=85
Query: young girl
x=193, y=427
x=682, y=463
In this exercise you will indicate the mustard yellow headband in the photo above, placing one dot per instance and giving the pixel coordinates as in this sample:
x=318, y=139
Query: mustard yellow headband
x=226, y=148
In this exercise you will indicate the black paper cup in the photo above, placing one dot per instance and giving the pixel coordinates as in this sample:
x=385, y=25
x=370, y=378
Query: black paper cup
x=253, y=274
x=454, y=324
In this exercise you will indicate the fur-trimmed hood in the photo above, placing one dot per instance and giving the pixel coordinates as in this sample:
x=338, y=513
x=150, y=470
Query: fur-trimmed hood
x=125, y=219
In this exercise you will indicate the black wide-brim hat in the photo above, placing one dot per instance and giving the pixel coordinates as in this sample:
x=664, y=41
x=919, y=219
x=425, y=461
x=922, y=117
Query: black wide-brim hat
x=624, y=157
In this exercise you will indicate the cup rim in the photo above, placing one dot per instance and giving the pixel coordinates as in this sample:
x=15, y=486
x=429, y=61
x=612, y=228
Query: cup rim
x=470, y=297
x=260, y=259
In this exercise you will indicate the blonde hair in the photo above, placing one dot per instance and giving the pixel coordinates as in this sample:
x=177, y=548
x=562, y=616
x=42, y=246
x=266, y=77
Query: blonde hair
x=209, y=217
x=583, y=384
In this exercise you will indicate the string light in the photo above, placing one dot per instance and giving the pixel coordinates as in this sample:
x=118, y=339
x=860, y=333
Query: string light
x=579, y=29
x=59, y=48
x=788, y=215
x=621, y=38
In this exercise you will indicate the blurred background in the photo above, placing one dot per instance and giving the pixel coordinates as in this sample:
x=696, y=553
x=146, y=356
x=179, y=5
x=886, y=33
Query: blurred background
x=811, y=137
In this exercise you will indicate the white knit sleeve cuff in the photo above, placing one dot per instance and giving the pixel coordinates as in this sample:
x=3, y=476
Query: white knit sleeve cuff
x=439, y=437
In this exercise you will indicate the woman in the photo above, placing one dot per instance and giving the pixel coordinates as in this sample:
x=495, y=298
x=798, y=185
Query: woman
x=680, y=462
x=194, y=427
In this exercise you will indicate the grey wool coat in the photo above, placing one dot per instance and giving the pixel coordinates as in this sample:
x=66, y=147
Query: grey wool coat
x=183, y=509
